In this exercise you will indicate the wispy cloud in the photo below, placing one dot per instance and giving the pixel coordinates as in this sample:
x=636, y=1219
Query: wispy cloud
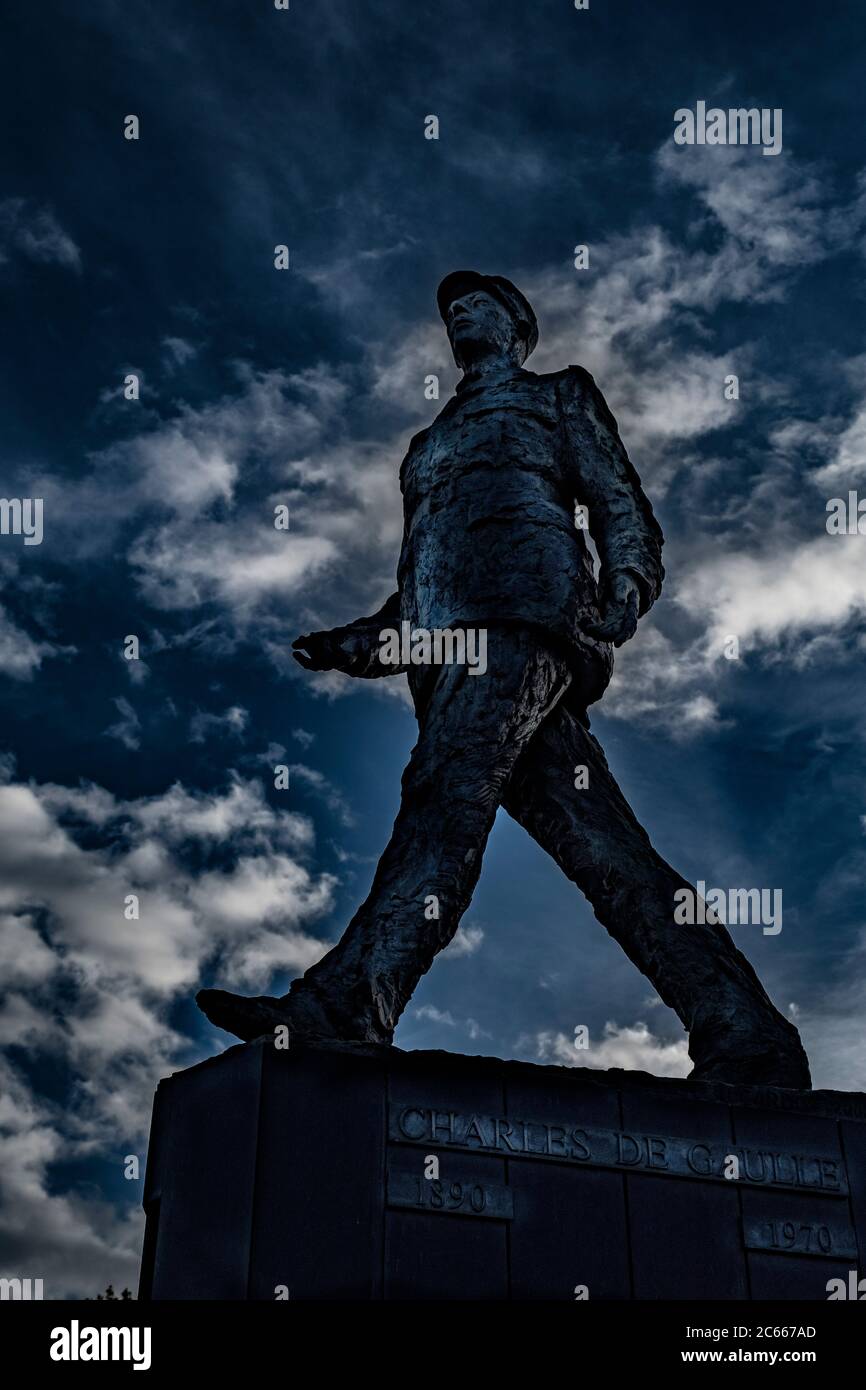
x=126, y=729
x=428, y=1013
x=232, y=722
x=34, y=233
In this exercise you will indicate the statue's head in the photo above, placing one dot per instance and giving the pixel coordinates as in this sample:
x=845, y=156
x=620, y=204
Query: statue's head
x=485, y=315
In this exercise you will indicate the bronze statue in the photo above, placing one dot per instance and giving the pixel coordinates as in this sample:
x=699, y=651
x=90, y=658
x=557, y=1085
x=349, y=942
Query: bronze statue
x=492, y=540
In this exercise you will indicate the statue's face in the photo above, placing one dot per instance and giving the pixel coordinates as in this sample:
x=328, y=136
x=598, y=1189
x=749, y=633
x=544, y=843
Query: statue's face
x=477, y=325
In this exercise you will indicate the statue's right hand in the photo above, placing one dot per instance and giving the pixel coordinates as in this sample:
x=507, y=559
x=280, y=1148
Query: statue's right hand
x=319, y=651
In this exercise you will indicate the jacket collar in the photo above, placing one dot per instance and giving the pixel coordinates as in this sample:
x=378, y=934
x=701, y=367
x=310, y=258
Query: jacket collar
x=473, y=380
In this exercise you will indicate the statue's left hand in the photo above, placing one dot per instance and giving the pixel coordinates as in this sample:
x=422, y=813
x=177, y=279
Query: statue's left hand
x=620, y=608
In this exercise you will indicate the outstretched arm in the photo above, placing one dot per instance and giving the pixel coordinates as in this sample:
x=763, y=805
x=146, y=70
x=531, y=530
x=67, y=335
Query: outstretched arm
x=353, y=649
x=620, y=519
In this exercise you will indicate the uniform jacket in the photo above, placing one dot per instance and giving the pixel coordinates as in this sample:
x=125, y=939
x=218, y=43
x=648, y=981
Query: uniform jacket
x=490, y=492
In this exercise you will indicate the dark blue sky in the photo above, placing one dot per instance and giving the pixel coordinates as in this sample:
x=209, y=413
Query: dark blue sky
x=155, y=256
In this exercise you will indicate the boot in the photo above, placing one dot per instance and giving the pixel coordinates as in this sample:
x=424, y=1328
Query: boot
x=248, y=1018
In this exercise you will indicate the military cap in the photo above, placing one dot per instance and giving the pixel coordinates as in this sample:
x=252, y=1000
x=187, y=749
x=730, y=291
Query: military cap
x=461, y=282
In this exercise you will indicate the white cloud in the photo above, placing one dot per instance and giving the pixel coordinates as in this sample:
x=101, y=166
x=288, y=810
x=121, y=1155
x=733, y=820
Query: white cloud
x=434, y=1015
x=64, y=937
x=400, y=369
x=636, y=319
x=205, y=537
x=251, y=914
x=465, y=942
x=788, y=600
x=25, y=959
x=76, y=1244
x=849, y=462
x=238, y=815
x=633, y=1048
x=786, y=589
x=186, y=565
x=21, y=655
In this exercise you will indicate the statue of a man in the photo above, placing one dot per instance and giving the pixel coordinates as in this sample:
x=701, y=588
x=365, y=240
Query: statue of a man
x=497, y=494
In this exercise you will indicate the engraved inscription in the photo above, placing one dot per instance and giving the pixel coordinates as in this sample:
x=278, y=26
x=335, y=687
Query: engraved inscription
x=830, y=1238
x=818, y=1174
x=464, y=1196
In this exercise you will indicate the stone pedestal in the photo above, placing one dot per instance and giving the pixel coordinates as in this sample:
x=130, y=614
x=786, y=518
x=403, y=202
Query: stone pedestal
x=311, y=1172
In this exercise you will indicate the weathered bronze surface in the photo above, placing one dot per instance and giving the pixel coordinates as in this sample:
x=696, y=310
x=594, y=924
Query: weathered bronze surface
x=491, y=493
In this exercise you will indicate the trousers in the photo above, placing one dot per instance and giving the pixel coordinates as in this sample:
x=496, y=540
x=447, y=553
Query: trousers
x=509, y=738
